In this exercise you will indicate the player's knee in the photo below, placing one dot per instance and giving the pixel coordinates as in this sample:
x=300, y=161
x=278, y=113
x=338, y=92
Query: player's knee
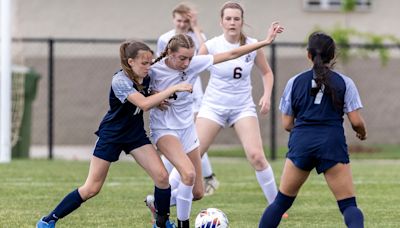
x=188, y=176
x=258, y=161
x=161, y=180
x=198, y=194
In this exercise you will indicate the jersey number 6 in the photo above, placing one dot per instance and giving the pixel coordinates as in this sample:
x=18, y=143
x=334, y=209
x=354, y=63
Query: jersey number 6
x=237, y=72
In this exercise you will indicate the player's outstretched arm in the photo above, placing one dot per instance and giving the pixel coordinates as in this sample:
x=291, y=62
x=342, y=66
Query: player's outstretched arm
x=273, y=31
x=146, y=103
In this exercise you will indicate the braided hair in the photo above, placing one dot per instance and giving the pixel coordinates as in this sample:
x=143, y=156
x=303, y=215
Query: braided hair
x=321, y=49
x=176, y=42
x=130, y=49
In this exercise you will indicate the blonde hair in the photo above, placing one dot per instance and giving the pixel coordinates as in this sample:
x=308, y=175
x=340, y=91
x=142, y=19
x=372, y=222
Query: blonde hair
x=130, y=49
x=235, y=5
x=176, y=42
x=183, y=8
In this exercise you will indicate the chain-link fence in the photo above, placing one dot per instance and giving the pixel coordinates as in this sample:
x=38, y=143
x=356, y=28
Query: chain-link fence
x=76, y=75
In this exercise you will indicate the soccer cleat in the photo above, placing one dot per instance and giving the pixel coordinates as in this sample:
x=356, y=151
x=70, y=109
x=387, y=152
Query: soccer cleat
x=168, y=224
x=43, y=224
x=210, y=184
x=150, y=204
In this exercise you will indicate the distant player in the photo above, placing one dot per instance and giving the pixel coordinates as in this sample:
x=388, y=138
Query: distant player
x=122, y=129
x=313, y=105
x=228, y=100
x=185, y=22
x=173, y=129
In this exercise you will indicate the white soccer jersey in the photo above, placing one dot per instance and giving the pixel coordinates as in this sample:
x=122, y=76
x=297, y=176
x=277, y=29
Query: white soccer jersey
x=164, y=39
x=179, y=114
x=197, y=87
x=229, y=86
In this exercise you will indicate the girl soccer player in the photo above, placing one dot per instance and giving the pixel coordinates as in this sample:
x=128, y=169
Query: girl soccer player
x=122, y=129
x=313, y=105
x=185, y=22
x=230, y=84
x=173, y=129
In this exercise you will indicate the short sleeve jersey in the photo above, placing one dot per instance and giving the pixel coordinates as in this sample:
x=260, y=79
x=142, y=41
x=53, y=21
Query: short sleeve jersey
x=123, y=122
x=311, y=109
x=164, y=39
x=229, y=86
x=179, y=114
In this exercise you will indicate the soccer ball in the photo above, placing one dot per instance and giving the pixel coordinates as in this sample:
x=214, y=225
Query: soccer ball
x=211, y=218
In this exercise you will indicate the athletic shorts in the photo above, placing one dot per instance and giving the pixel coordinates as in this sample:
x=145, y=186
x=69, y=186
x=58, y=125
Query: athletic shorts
x=309, y=163
x=187, y=137
x=226, y=117
x=110, y=151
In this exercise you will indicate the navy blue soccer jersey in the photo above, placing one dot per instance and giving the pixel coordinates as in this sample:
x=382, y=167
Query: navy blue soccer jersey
x=123, y=122
x=318, y=121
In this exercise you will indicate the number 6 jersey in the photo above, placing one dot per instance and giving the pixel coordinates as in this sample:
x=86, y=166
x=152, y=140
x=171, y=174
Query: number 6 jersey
x=229, y=86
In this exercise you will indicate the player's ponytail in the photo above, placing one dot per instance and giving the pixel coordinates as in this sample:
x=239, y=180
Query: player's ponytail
x=321, y=49
x=130, y=49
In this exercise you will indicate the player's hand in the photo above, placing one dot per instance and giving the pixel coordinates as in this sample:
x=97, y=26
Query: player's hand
x=192, y=16
x=265, y=105
x=163, y=105
x=273, y=31
x=361, y=137
x=183, y=87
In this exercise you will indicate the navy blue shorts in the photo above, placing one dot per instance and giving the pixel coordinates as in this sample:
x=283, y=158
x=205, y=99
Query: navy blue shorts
x=110, y=151
x=309, y=163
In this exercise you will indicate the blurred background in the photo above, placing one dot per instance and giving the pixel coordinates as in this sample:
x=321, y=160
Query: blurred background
x=72, y=51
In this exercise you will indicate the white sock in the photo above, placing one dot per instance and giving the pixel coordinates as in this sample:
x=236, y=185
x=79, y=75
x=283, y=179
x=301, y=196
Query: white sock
x=184, y=201
x=168, y=165
x=206, y=166
x=174, y=179
x=266, y=180
x=172, y=201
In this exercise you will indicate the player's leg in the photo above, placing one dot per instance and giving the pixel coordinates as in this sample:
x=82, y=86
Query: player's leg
x=248, y=131
x=171, y=147
x=97, y=174
x=210, y=180
x=146, y=156
x=291, y=181
x=207, y=130
x=340, y=182
x=198, y=188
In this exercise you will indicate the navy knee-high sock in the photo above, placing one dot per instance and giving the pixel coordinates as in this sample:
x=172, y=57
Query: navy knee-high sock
x=162, y=199
x=353, y=217
x=273, y=214
x=71, y=202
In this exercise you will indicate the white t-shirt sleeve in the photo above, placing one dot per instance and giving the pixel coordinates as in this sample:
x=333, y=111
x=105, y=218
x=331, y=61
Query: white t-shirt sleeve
x=160, y=46
x=285, y=104
x=122, y=87
x=352, y=100
x=201, y=63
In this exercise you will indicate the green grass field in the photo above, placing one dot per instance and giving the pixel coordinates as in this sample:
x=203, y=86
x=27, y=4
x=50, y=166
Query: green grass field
x=29, y=189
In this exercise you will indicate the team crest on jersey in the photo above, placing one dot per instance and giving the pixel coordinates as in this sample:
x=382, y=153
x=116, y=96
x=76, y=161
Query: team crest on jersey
x=183, y=76
x=248, y=58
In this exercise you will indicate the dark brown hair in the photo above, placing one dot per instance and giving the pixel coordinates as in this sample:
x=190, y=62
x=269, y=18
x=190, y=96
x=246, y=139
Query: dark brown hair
x=321, y=49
